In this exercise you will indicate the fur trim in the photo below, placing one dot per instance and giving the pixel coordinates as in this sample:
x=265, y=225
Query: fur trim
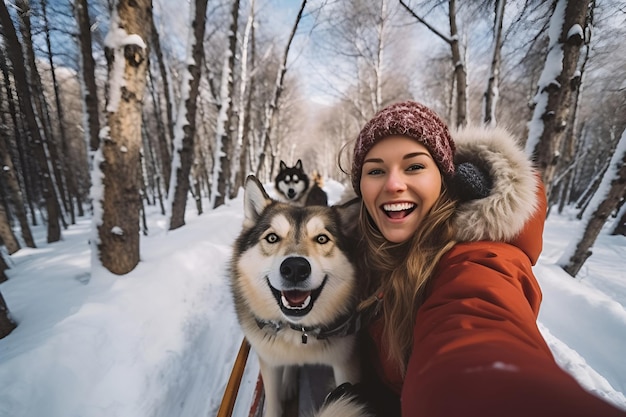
x=512, y=201
x=346, y=406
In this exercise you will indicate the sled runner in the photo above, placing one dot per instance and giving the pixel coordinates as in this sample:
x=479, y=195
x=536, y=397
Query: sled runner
x=314, y=382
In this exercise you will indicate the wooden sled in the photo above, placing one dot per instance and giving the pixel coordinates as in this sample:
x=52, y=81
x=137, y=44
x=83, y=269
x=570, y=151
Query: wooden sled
x=314, y=382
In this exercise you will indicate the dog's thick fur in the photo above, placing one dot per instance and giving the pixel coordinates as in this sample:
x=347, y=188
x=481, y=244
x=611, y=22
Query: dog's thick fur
x=293, y=281
x=294, y=186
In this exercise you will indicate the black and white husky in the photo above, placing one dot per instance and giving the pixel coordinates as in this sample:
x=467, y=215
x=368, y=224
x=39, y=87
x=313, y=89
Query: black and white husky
x=294, y=186
x=293, y=282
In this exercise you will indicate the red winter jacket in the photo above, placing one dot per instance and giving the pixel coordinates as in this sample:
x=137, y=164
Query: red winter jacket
x=477, y=350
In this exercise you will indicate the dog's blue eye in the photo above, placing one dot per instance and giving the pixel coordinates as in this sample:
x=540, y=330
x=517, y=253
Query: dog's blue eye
x=272, y=238
x=322, y=239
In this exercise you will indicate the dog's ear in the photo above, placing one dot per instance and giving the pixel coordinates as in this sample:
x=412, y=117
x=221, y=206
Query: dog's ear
x=298, y=164
x=349, y=214
x=283, y=165
x=255, y=199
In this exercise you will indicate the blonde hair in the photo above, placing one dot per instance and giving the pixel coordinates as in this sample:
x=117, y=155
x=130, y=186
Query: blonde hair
x=401, y=272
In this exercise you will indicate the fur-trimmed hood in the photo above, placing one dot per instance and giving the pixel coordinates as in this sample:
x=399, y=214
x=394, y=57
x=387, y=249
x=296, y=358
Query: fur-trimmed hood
x=515, y=209
x=513, y=200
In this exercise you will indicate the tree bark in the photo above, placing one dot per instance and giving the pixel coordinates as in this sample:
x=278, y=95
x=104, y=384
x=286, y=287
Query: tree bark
x=88, y=66
x=6, y=322
x=553, y=100
x=613, y=187
x=14, y=49
x=156, y=48
x=620, y=223
x=224, y=146
x=7, y=236
x=21, y=162
x=458, y=63
x=3, y=267
x=571, y=135
x=491, y=93
x=155, y=170
x=187, y=120
x=42, y=110
x=162, y=142
x=13, y=188
x=127, y=59
x=239, y=155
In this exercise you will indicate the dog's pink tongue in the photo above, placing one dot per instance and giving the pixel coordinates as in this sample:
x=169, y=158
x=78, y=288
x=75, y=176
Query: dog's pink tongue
x=296, y=298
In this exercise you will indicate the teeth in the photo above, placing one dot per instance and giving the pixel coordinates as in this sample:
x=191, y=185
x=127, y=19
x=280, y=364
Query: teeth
x=398, y=206
x=300, y=307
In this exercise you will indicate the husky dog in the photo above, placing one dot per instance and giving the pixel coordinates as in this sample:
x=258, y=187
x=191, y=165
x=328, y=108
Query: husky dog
x=293, y=282
x=294, y=186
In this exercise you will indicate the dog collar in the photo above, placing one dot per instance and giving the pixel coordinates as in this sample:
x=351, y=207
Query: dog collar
x=344, y=326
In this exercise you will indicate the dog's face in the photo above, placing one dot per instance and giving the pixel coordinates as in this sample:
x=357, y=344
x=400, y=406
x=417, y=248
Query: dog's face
x=294, y=263
x=292, y=182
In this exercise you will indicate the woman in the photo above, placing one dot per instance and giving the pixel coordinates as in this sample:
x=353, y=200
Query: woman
x=449, y=277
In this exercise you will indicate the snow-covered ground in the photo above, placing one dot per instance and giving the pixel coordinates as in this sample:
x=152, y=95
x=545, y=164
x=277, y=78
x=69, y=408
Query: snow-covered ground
x=161, y=340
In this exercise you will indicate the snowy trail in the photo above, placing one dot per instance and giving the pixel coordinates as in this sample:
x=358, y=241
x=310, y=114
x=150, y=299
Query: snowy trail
x=574, y=308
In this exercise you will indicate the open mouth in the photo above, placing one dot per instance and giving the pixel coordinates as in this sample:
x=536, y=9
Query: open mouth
x=398, y=210
x=296, y=302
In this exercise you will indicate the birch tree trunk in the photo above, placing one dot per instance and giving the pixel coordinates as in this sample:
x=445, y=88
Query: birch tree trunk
x=166, y=130
x=571, y=137
x=553, y=100
x=378, y=67
x=221, y=173
x=458, y=63
x=239, y=154
x=272, y=106
x=87, y=72
x=116, y=211
x=186, y=120
x=564, y=179
x=460, y=73
x=37, y=141
x=604, y=202
x=490, y=102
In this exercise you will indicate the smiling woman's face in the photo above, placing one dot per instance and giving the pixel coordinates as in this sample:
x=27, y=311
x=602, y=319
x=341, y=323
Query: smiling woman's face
x=400, y=183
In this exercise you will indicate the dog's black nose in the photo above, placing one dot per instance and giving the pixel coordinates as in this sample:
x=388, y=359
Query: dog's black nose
x=295, y=269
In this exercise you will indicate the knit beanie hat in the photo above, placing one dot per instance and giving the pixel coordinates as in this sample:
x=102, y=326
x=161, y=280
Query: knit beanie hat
x=409, y=119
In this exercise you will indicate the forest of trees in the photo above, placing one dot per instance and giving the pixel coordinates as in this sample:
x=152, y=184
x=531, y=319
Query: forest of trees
x=109, y=106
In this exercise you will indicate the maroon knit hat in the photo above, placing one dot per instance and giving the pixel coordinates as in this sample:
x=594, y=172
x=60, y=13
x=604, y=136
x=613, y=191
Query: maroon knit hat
x=409, y=119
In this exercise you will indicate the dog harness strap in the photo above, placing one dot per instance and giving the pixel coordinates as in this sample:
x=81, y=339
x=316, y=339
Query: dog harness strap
x=275, y=325
x=346, y=326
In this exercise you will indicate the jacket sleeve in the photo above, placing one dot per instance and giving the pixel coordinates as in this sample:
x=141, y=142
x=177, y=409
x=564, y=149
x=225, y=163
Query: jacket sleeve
x=477, y=348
